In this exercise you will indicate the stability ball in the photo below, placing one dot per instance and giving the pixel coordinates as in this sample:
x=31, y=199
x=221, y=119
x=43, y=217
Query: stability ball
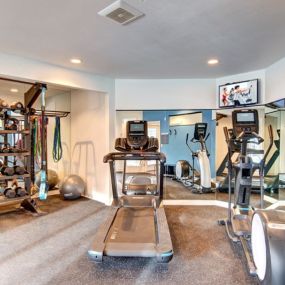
x=72, y=187
x=52, y=179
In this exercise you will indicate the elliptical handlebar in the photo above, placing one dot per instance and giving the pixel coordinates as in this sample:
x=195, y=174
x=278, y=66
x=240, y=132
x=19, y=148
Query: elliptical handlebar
x=187, y=138
x=207, y=136
x=271, y=141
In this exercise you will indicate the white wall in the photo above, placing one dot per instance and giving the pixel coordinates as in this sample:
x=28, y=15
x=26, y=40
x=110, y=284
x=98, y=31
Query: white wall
x=148, y=94
x=90, y=142
x=121, y=117
x=32, y=70
x=258, y=74
x=275, y=82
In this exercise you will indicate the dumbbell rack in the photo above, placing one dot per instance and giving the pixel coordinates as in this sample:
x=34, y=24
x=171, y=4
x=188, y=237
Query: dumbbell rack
x=26, y=202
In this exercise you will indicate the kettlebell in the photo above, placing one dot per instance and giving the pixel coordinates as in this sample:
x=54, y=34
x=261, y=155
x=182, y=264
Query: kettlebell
x=20, y=170
x=7, y=171
x=20, y=192
x=10, y=192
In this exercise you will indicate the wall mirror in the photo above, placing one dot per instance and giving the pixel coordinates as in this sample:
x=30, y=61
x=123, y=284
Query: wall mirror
x=171, y=128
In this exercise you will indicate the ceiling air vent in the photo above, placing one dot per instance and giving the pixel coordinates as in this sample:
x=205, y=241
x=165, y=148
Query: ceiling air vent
x=121, y=12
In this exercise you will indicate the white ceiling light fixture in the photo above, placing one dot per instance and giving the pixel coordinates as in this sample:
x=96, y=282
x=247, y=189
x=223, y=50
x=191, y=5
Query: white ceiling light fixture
x=75, y=60
x=14, y=90
x=121, y=12
x=213, y=61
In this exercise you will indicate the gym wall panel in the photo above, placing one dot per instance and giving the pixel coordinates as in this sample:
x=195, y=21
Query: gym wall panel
x=275, y=83
x=90, y=139
x=176, y=148
x=167, y=94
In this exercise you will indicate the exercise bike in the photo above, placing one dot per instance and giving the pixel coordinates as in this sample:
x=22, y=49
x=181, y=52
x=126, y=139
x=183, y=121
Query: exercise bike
x=200, y=182
x=261, y=233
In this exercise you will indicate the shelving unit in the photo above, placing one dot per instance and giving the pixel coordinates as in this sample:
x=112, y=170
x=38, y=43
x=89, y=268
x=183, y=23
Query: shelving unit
x=25, y=154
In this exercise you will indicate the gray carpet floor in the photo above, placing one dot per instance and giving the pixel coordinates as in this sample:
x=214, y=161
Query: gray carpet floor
x=175, y=190
x=51, y=249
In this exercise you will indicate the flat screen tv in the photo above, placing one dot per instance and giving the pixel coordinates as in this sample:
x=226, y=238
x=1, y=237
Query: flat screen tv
x=236, y=94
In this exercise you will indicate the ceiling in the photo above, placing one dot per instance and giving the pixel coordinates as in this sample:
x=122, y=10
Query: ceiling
x=174, y=39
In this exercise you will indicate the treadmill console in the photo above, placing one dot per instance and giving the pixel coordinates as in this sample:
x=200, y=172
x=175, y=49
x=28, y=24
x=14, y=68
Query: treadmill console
x=137, y=138
x=245, y=121
x=137, y=134
x=200, y=131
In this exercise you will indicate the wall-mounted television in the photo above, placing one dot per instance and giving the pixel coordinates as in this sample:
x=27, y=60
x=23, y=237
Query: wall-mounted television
x=236, y=94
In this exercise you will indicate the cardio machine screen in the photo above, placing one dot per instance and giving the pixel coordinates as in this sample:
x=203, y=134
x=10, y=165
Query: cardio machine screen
x=137, y=128
x=245, y=117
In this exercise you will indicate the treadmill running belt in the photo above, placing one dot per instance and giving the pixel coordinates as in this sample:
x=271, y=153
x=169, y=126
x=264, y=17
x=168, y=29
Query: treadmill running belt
x=133, y=225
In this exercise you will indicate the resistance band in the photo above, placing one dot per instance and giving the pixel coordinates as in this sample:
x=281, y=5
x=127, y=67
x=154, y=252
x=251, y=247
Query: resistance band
x=37, y=140
x=57, y=147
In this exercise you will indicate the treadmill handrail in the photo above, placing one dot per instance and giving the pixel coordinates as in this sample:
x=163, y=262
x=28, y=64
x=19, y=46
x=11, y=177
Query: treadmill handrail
x=135, y=155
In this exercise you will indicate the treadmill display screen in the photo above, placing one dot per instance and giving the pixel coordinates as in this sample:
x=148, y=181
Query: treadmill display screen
x=137, y=128
x=245, y=117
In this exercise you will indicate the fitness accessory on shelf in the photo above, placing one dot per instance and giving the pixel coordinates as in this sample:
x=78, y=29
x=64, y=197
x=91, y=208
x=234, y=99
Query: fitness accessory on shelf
x=3, y=104
x=57, y=147
x=137, y=226
x=20, y=170
x=7, y=171
x=200, y=182
x=10, y=192
x=11, y=124
x=261, y=233
x=5, y=148
x=17, y=107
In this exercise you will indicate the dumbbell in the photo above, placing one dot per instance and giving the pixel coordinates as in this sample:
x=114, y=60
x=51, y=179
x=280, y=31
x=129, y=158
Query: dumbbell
x=17, y=107
x=20, y=192
x=5, y=148
x=10, y=192
x=20, y=170
x=11, y=124
x=8, y=171
x=3, y=104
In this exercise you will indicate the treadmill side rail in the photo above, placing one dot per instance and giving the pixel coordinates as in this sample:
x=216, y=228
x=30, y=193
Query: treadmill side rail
x=98, y=246
x=164, y=247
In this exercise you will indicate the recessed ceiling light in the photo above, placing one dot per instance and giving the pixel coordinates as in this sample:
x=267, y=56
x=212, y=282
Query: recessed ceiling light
x=213, y=61
x=14, y=90
x=76, y=60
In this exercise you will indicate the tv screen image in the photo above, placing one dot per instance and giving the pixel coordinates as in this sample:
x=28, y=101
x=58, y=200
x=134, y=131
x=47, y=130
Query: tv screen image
x=238, y=94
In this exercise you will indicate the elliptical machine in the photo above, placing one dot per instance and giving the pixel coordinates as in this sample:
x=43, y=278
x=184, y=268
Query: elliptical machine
x=261, y=233
x=200, y=182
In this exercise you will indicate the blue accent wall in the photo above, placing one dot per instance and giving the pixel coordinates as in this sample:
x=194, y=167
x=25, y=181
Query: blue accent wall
x=176, y=149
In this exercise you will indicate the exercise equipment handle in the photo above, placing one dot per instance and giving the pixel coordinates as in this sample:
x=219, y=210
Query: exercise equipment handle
x=135, y=155
x=207, y=136
x=226, y=132
x=187, y=138
x=271, y=140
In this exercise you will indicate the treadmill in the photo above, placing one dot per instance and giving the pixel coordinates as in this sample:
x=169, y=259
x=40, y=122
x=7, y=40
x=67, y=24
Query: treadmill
x=137, y=225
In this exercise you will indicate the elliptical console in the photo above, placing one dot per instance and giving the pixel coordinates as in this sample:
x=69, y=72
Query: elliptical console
x=137, y=138
x=245, y=122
